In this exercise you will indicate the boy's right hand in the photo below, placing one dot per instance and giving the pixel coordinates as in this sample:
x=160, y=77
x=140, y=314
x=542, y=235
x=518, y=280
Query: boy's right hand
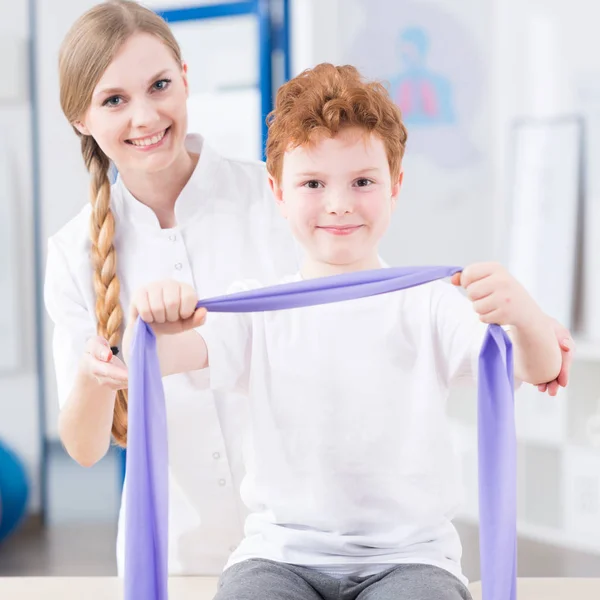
x=169, y=307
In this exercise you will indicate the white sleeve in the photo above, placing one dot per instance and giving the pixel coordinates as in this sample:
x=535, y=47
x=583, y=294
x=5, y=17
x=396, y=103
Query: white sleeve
x=73, y=323
x=458, y=334
x=228, y=338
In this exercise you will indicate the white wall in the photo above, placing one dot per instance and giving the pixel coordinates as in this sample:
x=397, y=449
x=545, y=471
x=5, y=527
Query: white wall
x=546, y=63
x=18, y=387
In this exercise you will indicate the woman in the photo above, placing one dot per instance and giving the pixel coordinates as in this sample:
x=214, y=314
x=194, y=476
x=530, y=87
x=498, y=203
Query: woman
x=177, y=210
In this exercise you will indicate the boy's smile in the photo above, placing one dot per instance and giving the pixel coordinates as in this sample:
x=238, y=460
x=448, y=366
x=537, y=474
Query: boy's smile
x=340, y=229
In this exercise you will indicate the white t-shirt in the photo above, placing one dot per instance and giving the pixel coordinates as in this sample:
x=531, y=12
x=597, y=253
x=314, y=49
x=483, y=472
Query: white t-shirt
x=227, y=228
x=348, y=451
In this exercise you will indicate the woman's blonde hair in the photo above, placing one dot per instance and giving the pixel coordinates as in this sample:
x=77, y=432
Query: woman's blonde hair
x=85, y=54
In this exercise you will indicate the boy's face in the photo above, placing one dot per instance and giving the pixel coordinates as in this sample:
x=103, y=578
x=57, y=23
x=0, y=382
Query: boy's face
x=338, y=197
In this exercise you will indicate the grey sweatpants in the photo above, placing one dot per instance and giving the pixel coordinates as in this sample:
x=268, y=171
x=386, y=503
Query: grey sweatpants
x=257, y=579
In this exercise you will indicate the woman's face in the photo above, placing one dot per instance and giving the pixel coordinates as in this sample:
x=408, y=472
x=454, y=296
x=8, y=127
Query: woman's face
x=138, y=112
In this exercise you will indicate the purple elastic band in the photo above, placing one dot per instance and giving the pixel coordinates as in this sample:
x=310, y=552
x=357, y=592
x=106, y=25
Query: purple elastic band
x=146, y=527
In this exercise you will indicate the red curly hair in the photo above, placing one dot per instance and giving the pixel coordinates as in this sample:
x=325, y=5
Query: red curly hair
x=323, y=100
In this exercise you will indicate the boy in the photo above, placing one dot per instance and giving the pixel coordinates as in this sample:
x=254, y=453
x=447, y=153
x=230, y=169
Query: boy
x=350, y=482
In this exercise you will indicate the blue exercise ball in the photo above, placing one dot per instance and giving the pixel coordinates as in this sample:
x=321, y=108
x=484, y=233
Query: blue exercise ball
x=14, y=491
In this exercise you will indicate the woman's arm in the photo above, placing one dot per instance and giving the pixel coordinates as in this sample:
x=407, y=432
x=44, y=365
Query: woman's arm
x=85, y=421
x=87, y=374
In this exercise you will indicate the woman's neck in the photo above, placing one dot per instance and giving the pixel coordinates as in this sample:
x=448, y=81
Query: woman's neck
x=160, y=190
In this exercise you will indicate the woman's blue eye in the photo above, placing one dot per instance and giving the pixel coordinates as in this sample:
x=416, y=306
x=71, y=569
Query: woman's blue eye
x=112, y=101
x=162, y=84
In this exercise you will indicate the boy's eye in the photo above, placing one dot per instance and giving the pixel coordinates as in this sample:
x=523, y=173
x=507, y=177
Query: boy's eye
x=112, y=101
x=313, y=184
x=363, y=182
x=161, y=84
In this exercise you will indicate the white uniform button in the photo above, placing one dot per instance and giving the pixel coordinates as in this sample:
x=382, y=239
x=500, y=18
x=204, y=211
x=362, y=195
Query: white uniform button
x=222, y=482
x=232, y=548
x=216, y=455
x=172, y=237
x=178, y=266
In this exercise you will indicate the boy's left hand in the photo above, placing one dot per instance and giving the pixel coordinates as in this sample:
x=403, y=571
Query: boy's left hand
x=504, y=290
x=567, y=348
x=496, y=295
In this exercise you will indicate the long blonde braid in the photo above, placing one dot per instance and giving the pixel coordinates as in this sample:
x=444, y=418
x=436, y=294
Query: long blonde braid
x=109, y=313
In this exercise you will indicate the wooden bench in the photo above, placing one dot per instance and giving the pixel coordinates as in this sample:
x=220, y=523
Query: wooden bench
x=203, y=588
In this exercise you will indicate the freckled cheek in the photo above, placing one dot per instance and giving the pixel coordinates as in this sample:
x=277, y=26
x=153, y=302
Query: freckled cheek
x=366, y=214
x=301, y=223
x=375, y=211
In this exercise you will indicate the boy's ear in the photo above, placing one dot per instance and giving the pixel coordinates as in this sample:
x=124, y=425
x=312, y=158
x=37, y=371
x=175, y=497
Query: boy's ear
x=396, y=188
x=277, y=194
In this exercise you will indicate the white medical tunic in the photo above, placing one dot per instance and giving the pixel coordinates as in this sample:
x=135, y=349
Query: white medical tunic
x=228, y=228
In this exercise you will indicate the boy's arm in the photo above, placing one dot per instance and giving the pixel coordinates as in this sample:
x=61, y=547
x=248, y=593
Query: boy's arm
x=499, y=298
x=536, y=352
x=169, y=307
x=567, y=351
x=181, y=353
x=177, y=353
